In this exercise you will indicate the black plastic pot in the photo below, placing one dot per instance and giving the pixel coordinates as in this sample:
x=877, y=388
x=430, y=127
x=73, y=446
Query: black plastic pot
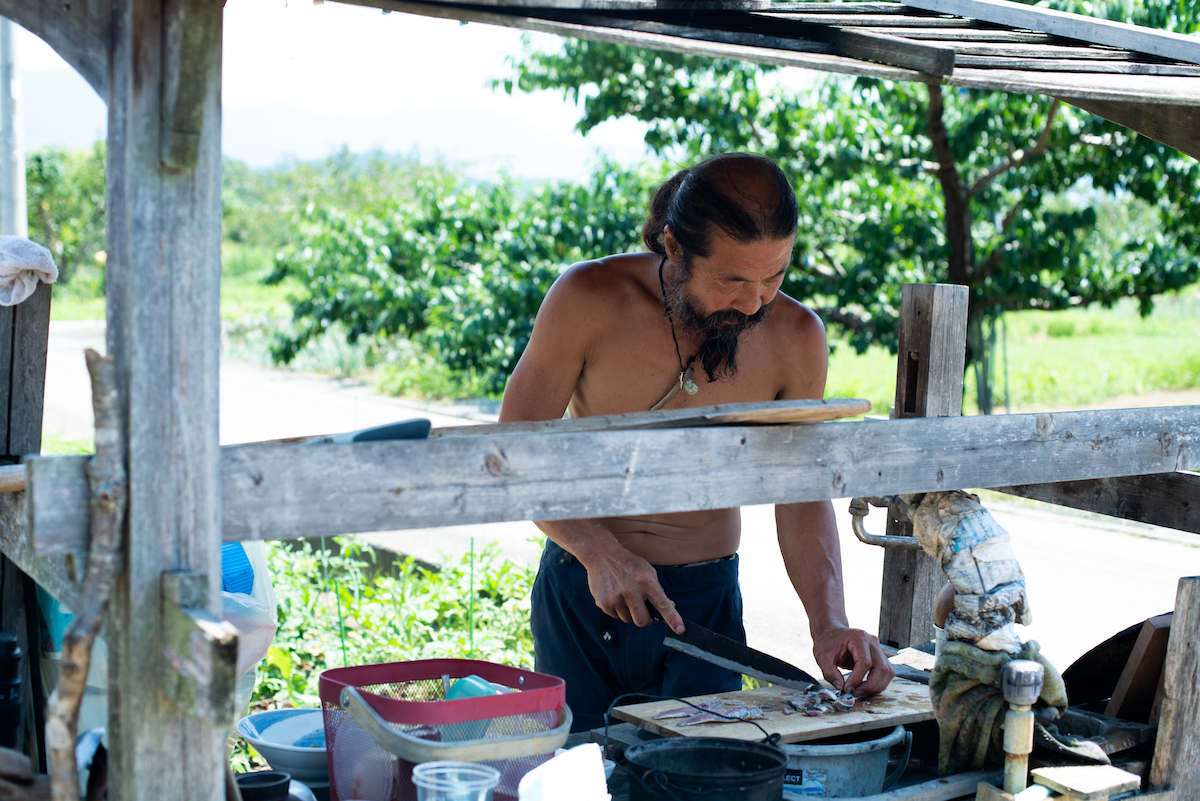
x=264, y=785
x=705, y=769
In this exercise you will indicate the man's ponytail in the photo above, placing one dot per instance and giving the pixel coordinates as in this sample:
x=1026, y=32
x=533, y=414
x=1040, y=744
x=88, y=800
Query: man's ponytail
x=659, y=215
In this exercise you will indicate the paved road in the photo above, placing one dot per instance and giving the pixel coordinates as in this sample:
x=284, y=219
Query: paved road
x=1088, y=577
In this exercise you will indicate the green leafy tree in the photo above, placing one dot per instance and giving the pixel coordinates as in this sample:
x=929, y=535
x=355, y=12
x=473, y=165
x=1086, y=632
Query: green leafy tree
x=65, y=198
x=461, y=270
x=913, y=182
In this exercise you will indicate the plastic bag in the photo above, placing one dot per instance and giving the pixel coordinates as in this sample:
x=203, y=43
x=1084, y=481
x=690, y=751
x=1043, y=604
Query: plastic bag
x=256, y=618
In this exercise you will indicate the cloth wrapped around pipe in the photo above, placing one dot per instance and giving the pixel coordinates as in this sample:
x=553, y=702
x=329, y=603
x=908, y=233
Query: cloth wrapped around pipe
x=976, y=554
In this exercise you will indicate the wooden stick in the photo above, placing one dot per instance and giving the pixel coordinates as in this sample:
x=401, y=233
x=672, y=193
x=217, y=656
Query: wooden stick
x=106, y=477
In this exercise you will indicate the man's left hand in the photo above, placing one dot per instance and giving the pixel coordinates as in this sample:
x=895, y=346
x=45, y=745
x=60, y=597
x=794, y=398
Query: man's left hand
x=870, y=670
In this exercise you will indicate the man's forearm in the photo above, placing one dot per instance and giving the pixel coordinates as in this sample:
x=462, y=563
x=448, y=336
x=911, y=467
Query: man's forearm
x=587, y=540
x=812, y=556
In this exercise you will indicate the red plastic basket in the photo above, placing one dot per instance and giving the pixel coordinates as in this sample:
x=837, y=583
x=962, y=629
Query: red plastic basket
x=380, y=720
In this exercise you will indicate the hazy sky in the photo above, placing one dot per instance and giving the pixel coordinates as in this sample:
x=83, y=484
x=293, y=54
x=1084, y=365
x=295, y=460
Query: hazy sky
x=302, y=80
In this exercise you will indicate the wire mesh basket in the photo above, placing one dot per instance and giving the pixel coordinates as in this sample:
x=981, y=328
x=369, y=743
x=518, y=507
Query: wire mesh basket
x=381, y=720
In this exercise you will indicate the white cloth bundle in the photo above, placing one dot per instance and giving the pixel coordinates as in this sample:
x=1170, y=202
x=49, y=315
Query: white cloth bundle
x=22, y=265
x=977, y=556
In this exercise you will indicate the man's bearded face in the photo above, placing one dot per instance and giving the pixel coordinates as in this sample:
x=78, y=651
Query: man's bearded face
x=721, y=330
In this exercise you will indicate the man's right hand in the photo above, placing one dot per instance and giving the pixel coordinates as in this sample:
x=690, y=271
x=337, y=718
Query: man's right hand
x=623, y=583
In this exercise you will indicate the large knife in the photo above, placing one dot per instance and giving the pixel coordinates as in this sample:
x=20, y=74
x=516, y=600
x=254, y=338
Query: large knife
x=719, y=650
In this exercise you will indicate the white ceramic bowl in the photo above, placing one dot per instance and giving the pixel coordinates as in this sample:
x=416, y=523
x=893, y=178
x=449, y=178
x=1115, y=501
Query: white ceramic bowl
x=291, y=740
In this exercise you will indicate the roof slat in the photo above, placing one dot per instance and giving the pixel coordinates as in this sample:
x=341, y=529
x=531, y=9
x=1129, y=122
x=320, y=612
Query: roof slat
x=1069, y=65
x=1074, y=26
x=752, y=30
x=878, y=20
x=973, y=34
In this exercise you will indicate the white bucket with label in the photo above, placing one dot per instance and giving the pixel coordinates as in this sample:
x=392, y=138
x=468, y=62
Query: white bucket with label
x=844, y=767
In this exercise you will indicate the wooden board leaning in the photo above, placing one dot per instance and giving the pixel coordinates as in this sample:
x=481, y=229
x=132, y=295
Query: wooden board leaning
x=902, y=702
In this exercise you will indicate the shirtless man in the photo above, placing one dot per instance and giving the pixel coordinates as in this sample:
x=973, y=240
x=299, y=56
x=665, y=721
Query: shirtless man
x=613, y=336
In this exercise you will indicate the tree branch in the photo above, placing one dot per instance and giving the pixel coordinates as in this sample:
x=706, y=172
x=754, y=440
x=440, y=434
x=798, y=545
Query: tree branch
x=1019, y=157
x=993, y=259
x=106, y=477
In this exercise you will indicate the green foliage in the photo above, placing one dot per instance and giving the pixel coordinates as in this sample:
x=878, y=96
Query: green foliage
x=460, y=271
x=1030, y=203
x=258, y=205
x=344, y=605
x=65, y=193
x=342, y=597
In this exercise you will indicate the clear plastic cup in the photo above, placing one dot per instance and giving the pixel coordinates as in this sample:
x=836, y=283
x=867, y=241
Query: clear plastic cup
x=454, y=781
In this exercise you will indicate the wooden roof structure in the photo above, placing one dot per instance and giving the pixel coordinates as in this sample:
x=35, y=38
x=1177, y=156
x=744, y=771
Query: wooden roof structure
x=1141, y=78
x=157, y=63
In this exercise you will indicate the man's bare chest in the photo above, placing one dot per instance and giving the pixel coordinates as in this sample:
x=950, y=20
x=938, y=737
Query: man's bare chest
x=635, y=365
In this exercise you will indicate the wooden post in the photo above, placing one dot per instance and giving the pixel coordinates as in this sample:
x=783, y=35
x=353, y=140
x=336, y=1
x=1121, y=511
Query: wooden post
x=1177, y=749
x=24, y=339
x=929, y=383
x=164, y=232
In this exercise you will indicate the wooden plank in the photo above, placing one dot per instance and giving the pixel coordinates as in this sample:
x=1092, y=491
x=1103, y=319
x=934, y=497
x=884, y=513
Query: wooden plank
x=903, y=702
x=780, y=34
x=670, y=44
x=6, y=349
x=1171, y=125
x=59, y=574
x=846, y=9
x=1074, y=26
x=1046, y=52
x=271, y=492
x=929, y=383
x=77, y=30
x=1134, y=694
x=880, y=21
x=985, y=35
x=1155, y=89
x=722, y=414
x=31, y=342
x=15, y=619
x=1082, y=65
x=1168, y=499
x=1087, y=782
x=1176, y=762
x=163, y=240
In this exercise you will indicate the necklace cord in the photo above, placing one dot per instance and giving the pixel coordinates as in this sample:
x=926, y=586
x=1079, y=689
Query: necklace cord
x=670, y=319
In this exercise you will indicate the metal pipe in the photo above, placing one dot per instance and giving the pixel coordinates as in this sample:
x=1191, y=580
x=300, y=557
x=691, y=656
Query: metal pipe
x=1021, y=682
x=860, y=508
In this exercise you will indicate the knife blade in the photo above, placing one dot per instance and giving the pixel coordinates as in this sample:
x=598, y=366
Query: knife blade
x=719, y=650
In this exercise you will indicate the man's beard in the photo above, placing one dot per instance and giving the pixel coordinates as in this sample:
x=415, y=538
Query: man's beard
x=721, y=330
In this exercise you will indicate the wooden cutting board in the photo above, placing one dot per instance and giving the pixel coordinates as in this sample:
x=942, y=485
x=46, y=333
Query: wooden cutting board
x=724, y=414
x=903, y=702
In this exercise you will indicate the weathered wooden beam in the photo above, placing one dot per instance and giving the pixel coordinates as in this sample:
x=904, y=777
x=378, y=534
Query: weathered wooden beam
x=200, y=650
x=1172, y=125
x=1168, y=499
x=1176, y=762
x=1079, y=65
x=1073, y=26
x=77, y=30
x=929, y=383
x=163, y=329
x=517, y=18
x=272, y=492
x=59, y=573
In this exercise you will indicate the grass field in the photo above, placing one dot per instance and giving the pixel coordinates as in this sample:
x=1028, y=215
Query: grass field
x=1046, y=360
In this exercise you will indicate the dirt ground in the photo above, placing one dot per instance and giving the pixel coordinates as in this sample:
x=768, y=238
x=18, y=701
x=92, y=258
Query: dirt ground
x=1088, y=577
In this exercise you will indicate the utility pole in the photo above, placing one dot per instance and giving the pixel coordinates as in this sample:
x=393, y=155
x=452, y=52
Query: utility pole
x=13, y=216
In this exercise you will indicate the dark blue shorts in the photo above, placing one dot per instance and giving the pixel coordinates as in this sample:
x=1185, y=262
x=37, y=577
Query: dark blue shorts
x=600, y=657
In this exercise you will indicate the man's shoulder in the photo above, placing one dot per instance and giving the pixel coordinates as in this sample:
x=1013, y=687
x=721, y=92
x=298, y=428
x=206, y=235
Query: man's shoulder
x=598, y=282
x=796, y=324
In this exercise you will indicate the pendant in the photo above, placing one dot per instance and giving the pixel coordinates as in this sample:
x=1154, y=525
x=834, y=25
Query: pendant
x=686, y=383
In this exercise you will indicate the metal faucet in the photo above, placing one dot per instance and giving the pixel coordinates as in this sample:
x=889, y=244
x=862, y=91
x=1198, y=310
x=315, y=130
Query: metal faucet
x=1021, y=682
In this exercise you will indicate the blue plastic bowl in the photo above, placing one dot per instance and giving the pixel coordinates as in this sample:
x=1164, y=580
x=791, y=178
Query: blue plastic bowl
x=291, y=740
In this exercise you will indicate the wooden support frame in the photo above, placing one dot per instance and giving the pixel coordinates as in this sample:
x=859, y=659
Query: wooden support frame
x=164, y=232
x=1167, y=499
x=1176, y=762
x=929, y=383
x=1171, y=125
x=278, y=491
